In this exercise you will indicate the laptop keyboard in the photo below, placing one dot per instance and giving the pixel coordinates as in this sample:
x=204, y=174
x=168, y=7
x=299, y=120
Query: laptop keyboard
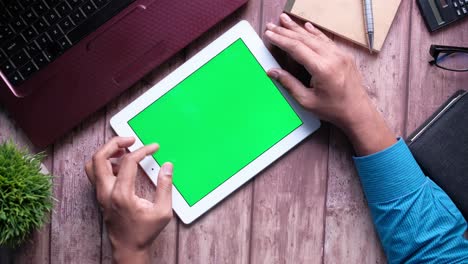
x=33, y=33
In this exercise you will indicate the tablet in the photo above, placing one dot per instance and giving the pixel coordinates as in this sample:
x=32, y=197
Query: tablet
x=218, y=118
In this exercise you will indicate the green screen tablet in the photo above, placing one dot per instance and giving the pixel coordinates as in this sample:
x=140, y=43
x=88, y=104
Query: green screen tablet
x=216, y=121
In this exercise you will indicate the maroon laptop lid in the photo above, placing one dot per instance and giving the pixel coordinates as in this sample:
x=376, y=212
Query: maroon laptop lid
x=109, y=61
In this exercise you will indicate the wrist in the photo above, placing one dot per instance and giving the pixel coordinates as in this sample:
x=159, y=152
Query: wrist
x=131, y=255
x=358, y=118
x=368, y=131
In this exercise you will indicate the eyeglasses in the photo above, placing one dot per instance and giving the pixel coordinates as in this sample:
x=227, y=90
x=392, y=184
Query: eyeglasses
x=449, y=58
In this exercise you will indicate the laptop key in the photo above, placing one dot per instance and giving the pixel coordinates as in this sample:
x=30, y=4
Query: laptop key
x=33, y=49
x=4, y=17
x=88, y=8
x=64, y=43
x=29, y=34
x=7, y=68
x=63, y=9
x=43, y=41
x=52, y=17
x=40, y=60
x=29, y=16
x=66, y=25
x=74, y=3
x=54, y=32
x=50, y=54
x=40, y=25
x=20, y=58
x=14, y=45
x=18, y=25
x=5, y=33
x=14, y=7
x=40, y=8
x=28, y=69
x=15, y=78
x=77, y=16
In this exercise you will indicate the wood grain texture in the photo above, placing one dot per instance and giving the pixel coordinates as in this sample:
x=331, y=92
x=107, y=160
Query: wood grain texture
x=290, y=213
x=76, y=229
x=289, y=201
x=222, y=234
x=430, y=86
x=165, y=246
x=350, y=236
x=289, y=196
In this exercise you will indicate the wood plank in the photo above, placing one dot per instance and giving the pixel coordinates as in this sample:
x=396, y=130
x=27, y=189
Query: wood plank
x=36, y=248
x=349, y=232
x=222, y=234
x=76, y=229
x=289, y=197
x=430, y=86
x=289, y=201
x=165, y=246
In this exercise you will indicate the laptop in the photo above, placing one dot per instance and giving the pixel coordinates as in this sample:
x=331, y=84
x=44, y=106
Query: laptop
x=62, y=60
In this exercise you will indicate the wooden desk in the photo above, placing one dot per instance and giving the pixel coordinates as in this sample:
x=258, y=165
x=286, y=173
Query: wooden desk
x=306, y=208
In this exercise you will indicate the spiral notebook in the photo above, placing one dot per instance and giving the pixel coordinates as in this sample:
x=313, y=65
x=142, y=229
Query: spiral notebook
x=345, y=18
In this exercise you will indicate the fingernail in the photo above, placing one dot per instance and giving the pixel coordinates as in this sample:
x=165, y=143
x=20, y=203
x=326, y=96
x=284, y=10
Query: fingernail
x=286, y=17
x=271, y=26
x=168, y=169
x=309, y=25
x=268, y=33
x=273, y=74
x=155, y=145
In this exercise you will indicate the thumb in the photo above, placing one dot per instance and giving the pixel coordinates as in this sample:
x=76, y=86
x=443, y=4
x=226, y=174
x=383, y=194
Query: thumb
x=163, y=197
x=293, y=85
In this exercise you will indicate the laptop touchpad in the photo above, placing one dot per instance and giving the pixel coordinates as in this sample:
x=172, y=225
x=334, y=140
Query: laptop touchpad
x=129, y=47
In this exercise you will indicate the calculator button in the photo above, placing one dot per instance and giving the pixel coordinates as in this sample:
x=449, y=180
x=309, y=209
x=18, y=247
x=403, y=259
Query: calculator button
x=462, y=2
x=464, y=10
x=455, y=4
x=459, y=12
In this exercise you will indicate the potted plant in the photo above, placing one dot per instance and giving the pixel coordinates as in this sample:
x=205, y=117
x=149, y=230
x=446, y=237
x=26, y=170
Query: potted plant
x=25, y=195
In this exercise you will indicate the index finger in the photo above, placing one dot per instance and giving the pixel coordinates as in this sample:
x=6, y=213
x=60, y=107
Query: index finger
x=100, y=162
x=125, y=182
x=112, y=147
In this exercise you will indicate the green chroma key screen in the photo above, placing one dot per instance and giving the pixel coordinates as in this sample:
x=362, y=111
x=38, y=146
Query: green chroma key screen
x=216, y=121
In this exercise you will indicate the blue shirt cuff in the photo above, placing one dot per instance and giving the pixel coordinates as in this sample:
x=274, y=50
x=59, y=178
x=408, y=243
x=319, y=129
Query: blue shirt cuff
x=389, y=174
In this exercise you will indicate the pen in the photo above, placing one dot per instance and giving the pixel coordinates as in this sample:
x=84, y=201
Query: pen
x=369, y=18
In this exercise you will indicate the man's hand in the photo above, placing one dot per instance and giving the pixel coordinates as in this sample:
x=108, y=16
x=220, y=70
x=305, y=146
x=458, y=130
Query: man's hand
x=132, y=222
x=336, y=92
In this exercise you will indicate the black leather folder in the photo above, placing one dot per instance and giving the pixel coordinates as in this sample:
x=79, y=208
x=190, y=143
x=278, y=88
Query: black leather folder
x=440, y=146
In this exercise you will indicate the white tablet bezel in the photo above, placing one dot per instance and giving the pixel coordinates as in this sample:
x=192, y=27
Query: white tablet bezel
x=242, y=30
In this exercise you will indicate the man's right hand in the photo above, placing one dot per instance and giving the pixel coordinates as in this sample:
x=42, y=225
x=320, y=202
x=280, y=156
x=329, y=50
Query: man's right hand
x=336, y=93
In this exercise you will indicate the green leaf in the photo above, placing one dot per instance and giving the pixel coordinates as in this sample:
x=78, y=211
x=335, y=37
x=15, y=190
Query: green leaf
x=25, y=194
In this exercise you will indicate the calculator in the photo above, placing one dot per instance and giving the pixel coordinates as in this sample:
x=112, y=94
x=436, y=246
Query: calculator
x=440, y=13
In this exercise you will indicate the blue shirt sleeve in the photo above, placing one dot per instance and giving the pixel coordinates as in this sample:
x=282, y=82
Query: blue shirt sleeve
x=415, y=219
